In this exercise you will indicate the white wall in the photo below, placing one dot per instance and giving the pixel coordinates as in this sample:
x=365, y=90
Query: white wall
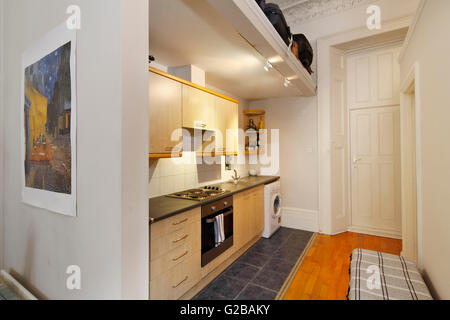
x=135, y=220
x=1, y=135
x=296, y=118
x=430, y=48
x=39, y=245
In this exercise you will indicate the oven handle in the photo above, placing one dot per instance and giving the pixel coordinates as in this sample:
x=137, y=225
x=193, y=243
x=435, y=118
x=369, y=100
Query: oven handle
x=225, y=214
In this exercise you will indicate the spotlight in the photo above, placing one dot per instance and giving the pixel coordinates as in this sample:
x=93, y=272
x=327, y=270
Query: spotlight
x=268, y=66
x=287, y=83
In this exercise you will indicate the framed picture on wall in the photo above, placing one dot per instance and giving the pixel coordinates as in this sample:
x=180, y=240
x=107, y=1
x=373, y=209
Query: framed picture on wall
x=48, y=113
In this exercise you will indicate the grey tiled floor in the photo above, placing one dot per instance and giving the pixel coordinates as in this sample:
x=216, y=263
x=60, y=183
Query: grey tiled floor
x=261, y=272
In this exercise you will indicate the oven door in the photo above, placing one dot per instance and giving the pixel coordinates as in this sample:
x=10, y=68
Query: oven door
x=210, y=249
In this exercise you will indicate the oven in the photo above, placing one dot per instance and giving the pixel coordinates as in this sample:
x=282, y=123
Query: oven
x=211, y=250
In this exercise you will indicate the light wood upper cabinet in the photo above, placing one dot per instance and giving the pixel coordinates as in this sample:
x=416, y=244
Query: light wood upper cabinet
x=227, y=123
x=176, y=103
x=198, y=109
x=165, y=103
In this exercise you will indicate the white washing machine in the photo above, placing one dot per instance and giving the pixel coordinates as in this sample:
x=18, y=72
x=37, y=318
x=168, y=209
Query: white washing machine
x=272, y=208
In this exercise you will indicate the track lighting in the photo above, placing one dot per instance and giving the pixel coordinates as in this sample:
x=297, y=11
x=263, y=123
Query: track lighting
x=268, y=66
x=287, y=82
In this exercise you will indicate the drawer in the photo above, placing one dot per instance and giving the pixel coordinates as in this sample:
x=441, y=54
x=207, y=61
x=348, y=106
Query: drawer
x=190, y=233
x=175, y=257
x=176, y=282
x=175, y=223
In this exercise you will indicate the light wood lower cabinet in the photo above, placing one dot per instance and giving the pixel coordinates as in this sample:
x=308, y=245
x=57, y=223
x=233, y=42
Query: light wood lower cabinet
x=175, y=255
x=175, y=245
x=248, y=216
x=178, y=280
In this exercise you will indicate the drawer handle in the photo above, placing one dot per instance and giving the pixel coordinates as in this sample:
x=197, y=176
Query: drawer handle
x=183, y=255
x=185, y=279
x=178, y=223
x=181, y=239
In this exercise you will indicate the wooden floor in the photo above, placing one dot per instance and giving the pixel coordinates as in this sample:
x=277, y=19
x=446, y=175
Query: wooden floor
x=324, y=272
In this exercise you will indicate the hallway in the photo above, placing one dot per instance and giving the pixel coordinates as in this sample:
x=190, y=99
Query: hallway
x=324, y=273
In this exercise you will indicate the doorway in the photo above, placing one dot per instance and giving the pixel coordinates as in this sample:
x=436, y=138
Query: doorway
x=374, y=152
x=411, y=185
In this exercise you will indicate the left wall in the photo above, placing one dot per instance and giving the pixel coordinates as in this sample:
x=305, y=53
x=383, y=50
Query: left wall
x=1, y=135
x=112, y=161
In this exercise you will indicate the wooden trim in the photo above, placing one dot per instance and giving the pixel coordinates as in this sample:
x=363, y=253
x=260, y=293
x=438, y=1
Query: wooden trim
x=254, y=112
x=163, y=156
x=215, y=154
x=282, y=293
x=193, y=85
x=412, y=29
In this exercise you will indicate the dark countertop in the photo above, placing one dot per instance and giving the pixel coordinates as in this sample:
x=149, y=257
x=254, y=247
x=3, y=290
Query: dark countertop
x=161, y=208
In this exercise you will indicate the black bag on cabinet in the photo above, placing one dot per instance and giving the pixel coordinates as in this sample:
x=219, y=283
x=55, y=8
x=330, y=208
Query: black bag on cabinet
x=276, y=17
x=305, y=51
x=261, y=3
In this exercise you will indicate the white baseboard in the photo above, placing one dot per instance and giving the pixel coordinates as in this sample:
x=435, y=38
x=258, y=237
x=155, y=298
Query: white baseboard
x=301, y=219
x=375, y=232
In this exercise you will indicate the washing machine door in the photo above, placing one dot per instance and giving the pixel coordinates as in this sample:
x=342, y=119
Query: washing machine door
x=276, y=206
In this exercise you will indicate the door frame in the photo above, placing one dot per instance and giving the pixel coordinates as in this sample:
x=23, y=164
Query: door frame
x=409, y=89
x=324, y=47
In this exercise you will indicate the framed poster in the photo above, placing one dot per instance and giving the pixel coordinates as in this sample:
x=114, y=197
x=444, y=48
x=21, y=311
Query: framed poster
x=49, y=109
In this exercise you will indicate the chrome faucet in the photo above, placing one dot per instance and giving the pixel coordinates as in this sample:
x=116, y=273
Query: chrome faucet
x=235, y=177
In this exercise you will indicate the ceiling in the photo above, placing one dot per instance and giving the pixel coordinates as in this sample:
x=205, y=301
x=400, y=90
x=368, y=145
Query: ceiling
x=302, y=11
x=192, y=32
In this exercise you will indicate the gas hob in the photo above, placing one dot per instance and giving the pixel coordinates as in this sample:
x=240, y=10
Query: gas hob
x=200, y=194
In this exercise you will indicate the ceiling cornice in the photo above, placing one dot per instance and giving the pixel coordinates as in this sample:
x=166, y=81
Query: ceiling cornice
x=303, y=11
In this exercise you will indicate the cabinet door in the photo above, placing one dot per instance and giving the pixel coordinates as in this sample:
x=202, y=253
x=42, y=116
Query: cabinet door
x=227, y=114
x=165, y=98
x=256, y=210
x=198, y=109
x=248, y=215
x=241, y=219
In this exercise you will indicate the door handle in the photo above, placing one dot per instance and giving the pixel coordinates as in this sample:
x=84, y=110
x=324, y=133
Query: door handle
x=356, y=160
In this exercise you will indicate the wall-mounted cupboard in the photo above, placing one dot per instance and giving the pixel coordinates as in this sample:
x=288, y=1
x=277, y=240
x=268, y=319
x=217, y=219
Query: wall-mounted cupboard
x=176, y=103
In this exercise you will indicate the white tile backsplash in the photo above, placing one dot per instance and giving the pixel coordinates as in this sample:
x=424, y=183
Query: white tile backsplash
x=173, y=175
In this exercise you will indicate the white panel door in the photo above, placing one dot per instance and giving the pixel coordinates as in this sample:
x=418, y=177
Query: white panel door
x=375, y=170
x=374, y=78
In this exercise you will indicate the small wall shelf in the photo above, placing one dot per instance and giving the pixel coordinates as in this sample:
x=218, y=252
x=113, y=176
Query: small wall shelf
x=258, y=117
